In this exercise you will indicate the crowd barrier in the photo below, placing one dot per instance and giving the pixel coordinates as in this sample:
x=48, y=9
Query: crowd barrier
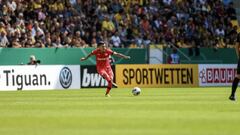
x=51, y=77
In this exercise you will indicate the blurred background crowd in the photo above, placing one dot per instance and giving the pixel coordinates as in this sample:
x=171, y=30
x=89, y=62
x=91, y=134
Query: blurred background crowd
x=120, y=23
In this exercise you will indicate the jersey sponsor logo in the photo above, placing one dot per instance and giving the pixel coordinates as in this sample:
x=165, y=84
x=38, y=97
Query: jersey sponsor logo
x=65, y=77
x=102, y=59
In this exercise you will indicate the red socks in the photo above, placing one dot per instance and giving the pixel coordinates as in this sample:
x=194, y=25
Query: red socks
x=109, y=87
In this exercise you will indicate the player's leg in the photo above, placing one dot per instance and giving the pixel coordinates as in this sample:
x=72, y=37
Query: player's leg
x=104, y=74
x=111, y=75
x=234, y=87
x=235, y=83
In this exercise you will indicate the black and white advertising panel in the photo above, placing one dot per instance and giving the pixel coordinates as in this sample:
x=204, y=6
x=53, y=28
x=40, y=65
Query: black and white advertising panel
x=39, y=77
x=91, y=79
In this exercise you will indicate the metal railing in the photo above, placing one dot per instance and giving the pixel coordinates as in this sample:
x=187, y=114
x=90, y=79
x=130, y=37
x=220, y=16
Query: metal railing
x=179, y=51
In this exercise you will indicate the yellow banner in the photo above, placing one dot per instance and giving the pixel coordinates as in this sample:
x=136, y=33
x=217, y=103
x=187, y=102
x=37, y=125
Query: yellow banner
x=157, y=75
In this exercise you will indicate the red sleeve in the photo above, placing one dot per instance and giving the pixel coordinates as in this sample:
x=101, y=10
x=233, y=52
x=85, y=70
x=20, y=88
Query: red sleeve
x=109, y=51
x=94, y=52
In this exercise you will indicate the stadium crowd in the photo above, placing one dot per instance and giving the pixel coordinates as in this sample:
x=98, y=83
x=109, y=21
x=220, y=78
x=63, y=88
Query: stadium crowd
x=120, y=23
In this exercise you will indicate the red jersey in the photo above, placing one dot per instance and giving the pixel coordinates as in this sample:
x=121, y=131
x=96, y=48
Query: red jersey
x=102, y=58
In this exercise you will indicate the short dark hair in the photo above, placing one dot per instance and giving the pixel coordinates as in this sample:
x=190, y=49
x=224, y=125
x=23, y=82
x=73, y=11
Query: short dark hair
x=100, y=43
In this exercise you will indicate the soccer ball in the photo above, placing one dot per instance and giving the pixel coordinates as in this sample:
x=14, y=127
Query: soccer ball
x=136, y=91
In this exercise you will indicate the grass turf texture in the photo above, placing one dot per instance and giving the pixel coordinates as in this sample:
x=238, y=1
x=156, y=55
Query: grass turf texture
x=172, y=111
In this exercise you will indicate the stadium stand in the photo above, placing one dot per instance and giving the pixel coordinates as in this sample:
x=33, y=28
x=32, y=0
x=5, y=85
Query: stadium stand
x=237, y=7
x=120, y=23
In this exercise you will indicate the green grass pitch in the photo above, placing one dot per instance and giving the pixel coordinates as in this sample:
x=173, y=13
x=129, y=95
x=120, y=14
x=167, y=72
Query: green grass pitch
x=157, y=111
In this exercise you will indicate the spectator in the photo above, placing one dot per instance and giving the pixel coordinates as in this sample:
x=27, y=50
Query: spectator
x=108, y=25
x=231, y=12
x=16, y=43
x=115, y=40
x=12, y=6
x=2, y=27
x=165, y=21
x=48, y=43
x=174, y=57
x=115, y=6
x=3, y=40
x=57, y=43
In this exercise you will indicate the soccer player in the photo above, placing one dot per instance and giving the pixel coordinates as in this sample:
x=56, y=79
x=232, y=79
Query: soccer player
x=237, y=78
x=102, y=54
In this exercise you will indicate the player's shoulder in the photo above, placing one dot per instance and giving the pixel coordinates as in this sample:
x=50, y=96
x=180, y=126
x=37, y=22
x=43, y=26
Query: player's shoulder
x=95, y=50
x=109, y=50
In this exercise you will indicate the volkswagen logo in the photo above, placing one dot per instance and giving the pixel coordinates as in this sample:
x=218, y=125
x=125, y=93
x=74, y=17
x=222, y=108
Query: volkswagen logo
x=65, y=77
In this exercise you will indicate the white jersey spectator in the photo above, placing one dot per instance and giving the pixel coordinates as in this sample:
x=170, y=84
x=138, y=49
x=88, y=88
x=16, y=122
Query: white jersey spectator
x=73, y=2
x=12, y=5
x=116, y=41
x=36, y=29
x=3, y=40
x=174, y=57
x=220, y=32
x=167, y=2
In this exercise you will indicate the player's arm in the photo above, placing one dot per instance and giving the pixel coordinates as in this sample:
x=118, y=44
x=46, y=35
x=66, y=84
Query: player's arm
x=121, y=55
x=85, y=58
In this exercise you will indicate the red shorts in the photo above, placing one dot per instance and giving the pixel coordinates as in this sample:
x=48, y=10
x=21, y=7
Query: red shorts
x=106, y=73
